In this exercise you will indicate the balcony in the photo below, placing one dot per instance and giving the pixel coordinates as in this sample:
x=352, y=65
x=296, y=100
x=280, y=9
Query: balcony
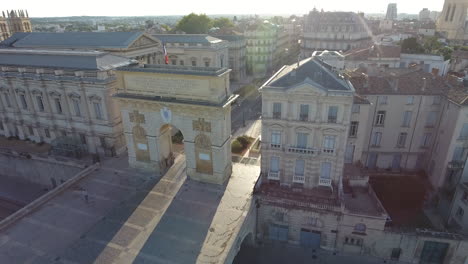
x=275, y=146
x=276, y=115
x=328, y=150
x=304, y=117
x=324, y=182
x=456, y=165
x=274, y=175
x=298, y=179
x=302, y=150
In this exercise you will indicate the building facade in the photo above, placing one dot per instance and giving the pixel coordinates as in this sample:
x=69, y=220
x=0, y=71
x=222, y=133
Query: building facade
x=261, y=46
x=392, y=13
x=333, y=31
x=237, y=56
x=197, y=50
x=14, y=21
x=302, y=194
x=452, y=22
x=47, y=95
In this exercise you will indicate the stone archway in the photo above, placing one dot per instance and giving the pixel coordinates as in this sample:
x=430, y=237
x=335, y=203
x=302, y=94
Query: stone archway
x=196, y=101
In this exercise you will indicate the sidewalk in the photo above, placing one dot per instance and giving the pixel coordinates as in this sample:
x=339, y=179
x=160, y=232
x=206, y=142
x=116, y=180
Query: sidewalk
x=253, y=128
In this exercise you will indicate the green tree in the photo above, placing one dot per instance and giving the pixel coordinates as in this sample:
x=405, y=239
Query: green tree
x=411, y=45
x=222, y=22
x=194, y=24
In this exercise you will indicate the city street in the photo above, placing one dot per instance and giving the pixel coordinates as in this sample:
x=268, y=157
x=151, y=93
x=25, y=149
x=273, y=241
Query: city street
x=249, y=108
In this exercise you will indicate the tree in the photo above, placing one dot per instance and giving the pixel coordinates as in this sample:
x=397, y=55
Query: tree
x=194, y=24
x=222, y=22
x=149, y=24
x=411, y=45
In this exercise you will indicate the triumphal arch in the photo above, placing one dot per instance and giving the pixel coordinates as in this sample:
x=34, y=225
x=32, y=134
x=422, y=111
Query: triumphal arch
x=195, y=100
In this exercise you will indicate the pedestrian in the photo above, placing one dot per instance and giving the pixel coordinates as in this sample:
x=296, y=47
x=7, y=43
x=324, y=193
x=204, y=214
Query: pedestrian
x=85, y=195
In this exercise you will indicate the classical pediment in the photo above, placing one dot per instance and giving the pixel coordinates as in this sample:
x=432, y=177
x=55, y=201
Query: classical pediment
x=307, y=87
x=145, y=41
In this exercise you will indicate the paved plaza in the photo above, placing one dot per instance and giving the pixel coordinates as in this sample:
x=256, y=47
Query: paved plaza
x=133, y=217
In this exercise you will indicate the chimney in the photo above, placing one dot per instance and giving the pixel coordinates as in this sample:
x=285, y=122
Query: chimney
x=423, y=88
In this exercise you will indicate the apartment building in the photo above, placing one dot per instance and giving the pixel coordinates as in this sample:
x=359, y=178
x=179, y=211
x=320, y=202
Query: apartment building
x=303, y=198
x=197, y=50
x=261, y=46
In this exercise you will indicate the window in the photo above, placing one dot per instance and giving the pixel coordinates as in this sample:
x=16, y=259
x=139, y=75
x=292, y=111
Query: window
x=458, y=154
x=174, y=62
x=304, y=112
x=299, y=168
x=410, y=100
x=360, y=228
x=332, y=114
x=40, y=103
x=407, y=118
x=24, y=104
x=276, y=139
x=276, y=110
x=181, y=62
x=379, y=121
x=329, y=143
x=102, y=140
x=7, y=99
x=460, y=212
x=207, y=64
x=274, y=164
x=325, y=170
x=58, y=105
x=425, y=140
x=376, y=137
x=76, y=107
x=301, y=140
x=465, y=197
x=464, y=132
x=353, y=241
x=382, y=99
x=436, y=100
x=356, y=108
x=97, y=110
x=353, y=129
x=402, y=139
x=30, y=130
x=83, y=138
x=396, y=252
x=47, y=132
x=431, y=119
x=194, y=63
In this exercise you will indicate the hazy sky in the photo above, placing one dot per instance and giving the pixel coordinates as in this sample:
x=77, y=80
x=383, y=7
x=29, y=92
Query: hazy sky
x=47, y=8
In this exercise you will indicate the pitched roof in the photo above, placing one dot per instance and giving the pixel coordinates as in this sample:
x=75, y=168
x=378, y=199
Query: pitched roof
x=85, y=60
x=398, y=82
x=187, y=38
x=71, y=40
x=309, y=70
x=375, y=51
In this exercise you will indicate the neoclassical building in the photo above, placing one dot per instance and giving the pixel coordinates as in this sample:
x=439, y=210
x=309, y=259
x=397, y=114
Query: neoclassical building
x=237, y=56
x=333, y=31
x=134, y=45
x=14, y=21
x=196, y=50
x=51, y=94
x=302, y=193
x=261, y=47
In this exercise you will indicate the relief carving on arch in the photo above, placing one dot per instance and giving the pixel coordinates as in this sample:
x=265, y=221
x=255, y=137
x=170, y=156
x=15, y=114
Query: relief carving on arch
x=203, y=154
x=140, y=143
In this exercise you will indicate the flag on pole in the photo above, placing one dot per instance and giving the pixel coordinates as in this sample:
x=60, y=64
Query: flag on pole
x=166, y=58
